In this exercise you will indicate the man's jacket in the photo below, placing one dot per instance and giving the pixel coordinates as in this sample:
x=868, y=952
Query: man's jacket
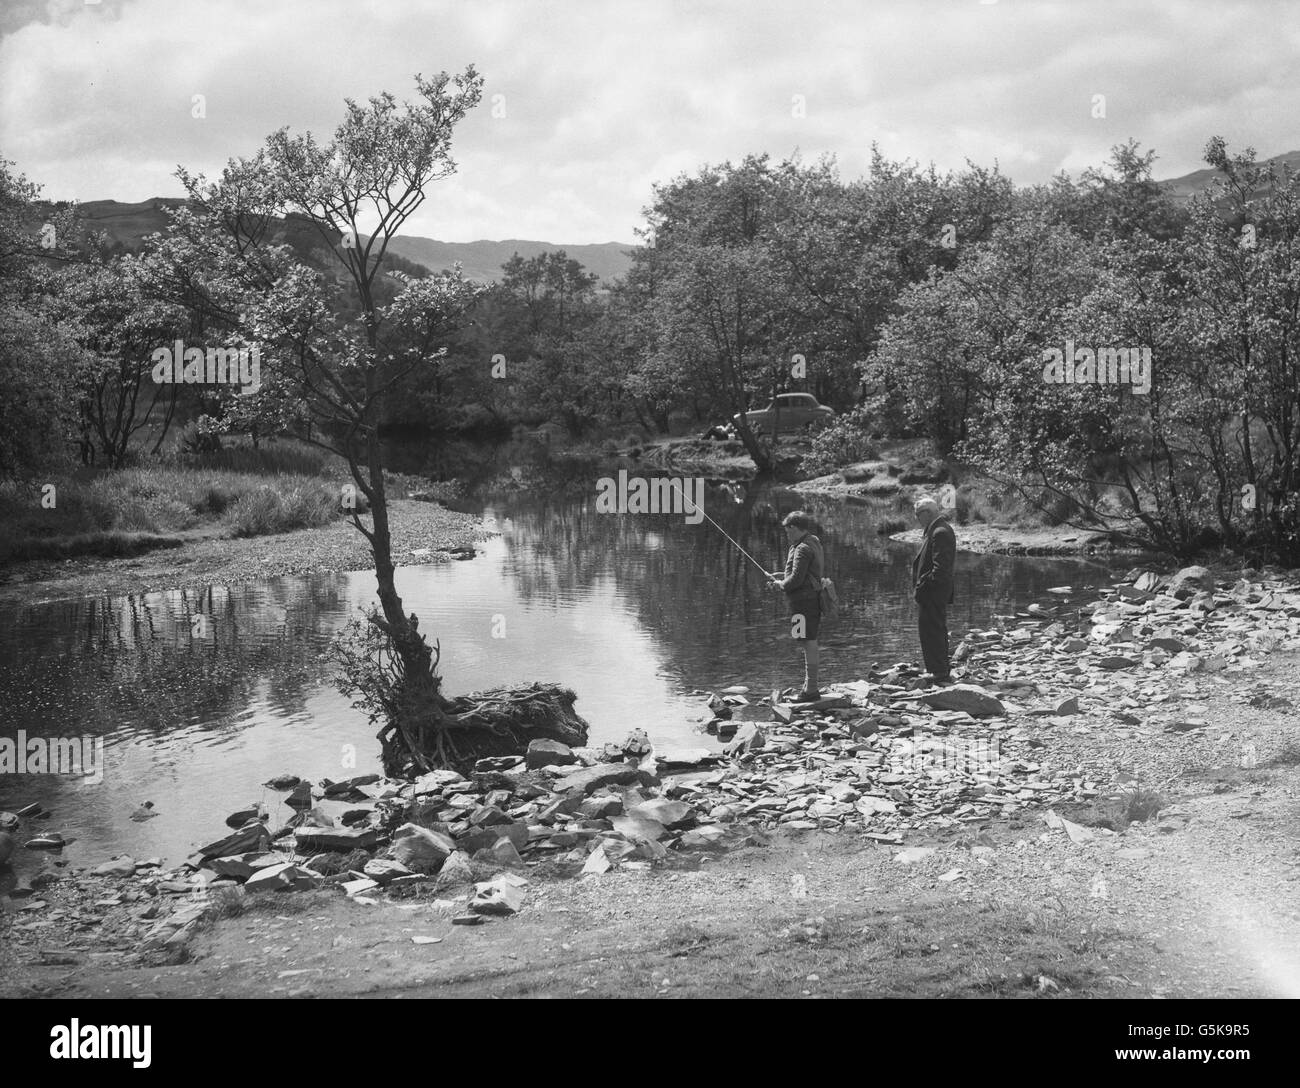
x=932, y=569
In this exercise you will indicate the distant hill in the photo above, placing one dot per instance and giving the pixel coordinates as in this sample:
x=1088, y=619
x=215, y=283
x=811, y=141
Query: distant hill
x=482, y=260
x=1187, y=186
x=128, y=224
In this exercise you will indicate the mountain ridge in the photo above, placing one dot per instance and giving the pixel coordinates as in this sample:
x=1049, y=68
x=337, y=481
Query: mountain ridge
x=128, y=222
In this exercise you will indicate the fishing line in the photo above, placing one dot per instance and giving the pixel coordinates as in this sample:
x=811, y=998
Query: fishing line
x=700, y=508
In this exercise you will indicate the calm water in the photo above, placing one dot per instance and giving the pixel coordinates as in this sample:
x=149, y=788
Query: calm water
x=633, y=612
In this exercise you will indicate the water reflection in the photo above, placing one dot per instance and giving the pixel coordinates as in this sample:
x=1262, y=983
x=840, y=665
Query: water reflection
x=201, y=696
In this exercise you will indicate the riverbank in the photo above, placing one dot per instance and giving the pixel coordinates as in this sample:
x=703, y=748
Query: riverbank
x=1060, y=540
x=1102, y=809
x=422, y=532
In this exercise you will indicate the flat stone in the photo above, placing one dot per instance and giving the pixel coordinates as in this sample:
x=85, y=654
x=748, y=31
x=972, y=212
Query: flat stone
x=589, y=779
x=487, y=815
x=708, y=837
x=749, y=738
x=497, y=896
x=385, y=870
x=420, y=849
x=964, y=697
x=336, y=838
x=597, y=862
x=548, y=753
x=674, y=815
x=484, y=838
x=1117, y=662
x=1190, y=579
x=253, y=838
x=120, y=867
x=602, y=808
x=639, y=828
x=1169, y=645
x=503, y=852
x=456, y=870
x=236, y=867
x=675, y=758
x=273, y=877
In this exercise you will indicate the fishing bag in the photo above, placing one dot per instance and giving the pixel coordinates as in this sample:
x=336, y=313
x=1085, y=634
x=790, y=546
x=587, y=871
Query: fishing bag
x=828, y=600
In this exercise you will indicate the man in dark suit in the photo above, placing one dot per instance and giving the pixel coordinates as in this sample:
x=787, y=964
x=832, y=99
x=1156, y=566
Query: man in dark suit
x=932, y=588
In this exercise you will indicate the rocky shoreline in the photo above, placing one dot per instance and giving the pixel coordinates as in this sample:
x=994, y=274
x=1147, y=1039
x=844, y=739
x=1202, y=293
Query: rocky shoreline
x=1041, y=541
x=1065, y=718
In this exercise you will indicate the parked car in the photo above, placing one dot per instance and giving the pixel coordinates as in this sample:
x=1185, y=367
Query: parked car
x=788, y=412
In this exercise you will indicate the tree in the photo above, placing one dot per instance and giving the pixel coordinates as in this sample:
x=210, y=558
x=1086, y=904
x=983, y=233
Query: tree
x=39, y=355
x=332, y=352
x=120, y=328
x=723, y=320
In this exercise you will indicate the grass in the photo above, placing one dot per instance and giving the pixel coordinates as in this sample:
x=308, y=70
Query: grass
x=1133, y=806
x=267, y=510
x=136, y=509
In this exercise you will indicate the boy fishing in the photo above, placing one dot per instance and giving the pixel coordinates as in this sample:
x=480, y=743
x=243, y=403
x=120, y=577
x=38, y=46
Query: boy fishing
x=801, y=582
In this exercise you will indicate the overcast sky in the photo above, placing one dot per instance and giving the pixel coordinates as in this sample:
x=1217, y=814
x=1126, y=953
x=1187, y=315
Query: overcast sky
x=603, y=99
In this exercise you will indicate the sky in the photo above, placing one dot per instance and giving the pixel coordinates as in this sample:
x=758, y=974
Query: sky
x=588, y=104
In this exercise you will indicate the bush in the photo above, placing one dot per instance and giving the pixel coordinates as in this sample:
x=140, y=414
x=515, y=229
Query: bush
x=842, y=442
x=266, y=510
x=285, y=457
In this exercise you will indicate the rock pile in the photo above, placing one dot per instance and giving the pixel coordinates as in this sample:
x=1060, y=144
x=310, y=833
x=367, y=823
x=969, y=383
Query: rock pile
x=878, y=756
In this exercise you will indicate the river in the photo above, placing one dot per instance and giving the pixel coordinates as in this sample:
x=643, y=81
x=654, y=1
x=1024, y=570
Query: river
x=638, y=614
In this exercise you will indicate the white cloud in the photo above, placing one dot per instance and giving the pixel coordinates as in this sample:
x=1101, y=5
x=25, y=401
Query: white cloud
x=602, y=100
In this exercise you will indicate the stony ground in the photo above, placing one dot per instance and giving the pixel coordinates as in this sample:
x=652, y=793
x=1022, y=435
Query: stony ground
x=1149, y=849
x=335, y=547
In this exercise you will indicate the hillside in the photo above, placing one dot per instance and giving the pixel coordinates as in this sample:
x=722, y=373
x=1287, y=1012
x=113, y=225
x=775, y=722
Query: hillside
x=1185, y=187
x=482, y=260
x=127, y=224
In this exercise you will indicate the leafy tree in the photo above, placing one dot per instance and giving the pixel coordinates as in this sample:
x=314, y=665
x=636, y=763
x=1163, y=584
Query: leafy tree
x=39, y=356
x=332, y=351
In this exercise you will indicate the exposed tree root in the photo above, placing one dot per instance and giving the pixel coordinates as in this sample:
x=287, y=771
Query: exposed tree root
x=499, y=722
x=399, y=686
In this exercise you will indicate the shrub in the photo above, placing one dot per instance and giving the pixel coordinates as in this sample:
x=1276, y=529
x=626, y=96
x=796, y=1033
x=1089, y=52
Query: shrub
x=842, y=442
x=265, y=510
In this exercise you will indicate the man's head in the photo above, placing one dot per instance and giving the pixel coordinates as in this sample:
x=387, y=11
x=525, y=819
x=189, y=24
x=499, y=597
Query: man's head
x=926, y=510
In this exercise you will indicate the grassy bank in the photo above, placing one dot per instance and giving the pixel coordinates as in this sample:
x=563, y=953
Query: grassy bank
x=234, y=516
x=239, y=492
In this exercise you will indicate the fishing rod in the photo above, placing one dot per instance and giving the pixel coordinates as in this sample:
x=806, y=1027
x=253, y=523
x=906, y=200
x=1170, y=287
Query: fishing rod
x=700, y=508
